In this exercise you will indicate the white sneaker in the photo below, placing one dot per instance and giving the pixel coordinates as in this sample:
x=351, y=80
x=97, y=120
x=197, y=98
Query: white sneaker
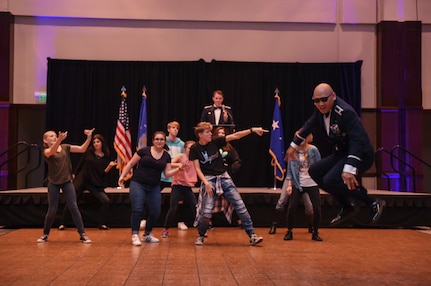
x=199, y=240
x=254, y=239
x=182, y=226
x=143, y=224
x=43, y=239
x=150, y=238
x=135, y=240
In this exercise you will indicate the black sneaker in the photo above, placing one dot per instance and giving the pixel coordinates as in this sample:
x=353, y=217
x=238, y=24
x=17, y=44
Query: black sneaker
x=344, y=214
x=376, y=210
x=316, y=237
x=273, y=228
x=84, y=238
x=289, y=235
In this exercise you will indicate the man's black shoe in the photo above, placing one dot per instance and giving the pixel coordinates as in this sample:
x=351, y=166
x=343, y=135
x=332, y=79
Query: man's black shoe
x=376, y=210
x=273, y=228
x=344, y=214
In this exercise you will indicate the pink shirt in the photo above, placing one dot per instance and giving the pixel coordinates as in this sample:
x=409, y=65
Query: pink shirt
x=186, y=177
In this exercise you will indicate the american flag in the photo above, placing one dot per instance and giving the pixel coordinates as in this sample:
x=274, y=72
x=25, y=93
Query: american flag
x=122, y=140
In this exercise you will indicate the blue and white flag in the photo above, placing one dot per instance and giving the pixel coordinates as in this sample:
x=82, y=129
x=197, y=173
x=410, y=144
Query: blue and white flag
x=276, y=147
x=142, y=130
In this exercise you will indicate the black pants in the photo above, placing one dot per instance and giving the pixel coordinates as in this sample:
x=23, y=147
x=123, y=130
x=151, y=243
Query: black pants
x=314, y=195
x=101, y=196
x=179, y=193
x=327, y=174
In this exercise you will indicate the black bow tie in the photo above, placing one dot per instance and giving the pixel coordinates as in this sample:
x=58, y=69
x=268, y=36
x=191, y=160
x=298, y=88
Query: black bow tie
x=326, y=115
x=217, y=107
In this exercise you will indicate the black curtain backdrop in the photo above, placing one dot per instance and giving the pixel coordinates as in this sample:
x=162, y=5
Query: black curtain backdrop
x=84, y=94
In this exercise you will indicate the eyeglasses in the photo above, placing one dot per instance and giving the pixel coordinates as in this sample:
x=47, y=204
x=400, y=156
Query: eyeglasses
x=322, y=99
x=159, y=139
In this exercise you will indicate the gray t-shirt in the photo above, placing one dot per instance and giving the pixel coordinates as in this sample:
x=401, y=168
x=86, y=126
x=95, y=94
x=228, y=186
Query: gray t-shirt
x=60, y=166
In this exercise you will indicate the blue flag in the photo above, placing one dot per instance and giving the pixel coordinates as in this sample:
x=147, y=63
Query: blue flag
x=276, y=147
x=142, y=130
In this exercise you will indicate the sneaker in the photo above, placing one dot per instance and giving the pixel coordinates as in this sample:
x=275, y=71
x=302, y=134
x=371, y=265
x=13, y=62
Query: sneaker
x=182, y=226
x=288, y=236
x=84, y=238
x=165, y=233
x=149, y=238
x=61, y=227
x=273, y=228
x=43, y=238
x=254, y=239
x=143, y=224
x=344, y=214
x=316, y=237
x=135, y=240
x=376, y=210
x=199, y=240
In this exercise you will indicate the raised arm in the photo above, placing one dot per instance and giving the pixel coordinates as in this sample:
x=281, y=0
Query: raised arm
x=48, y=152
x=83, y=147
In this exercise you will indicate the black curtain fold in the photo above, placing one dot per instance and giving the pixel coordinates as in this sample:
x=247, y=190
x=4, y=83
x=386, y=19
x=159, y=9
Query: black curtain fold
x=83, y=94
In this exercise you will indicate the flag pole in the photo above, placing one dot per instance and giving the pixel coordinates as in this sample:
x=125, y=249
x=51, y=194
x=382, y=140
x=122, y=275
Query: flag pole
x=276, y=148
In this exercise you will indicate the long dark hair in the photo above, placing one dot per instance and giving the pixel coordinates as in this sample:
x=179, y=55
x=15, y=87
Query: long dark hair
x=227, y=147
x=105, y=148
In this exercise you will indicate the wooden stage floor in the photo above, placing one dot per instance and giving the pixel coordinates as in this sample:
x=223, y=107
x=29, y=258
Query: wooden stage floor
x=347, y=256
x=27, y=208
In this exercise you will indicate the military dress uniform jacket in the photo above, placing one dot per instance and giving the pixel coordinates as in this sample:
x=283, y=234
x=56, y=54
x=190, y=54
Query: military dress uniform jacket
x=208, y=115
x=346, y=133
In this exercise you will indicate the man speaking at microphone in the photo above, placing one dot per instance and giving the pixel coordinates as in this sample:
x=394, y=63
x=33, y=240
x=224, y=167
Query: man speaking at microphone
x=217, y=113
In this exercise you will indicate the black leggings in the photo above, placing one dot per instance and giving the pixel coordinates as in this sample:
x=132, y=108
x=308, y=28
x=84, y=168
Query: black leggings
x=314, y=194
x=179, y=193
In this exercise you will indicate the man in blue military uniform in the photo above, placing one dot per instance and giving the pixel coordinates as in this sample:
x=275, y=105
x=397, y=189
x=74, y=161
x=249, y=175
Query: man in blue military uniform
x=340, y=173
x=217, y=113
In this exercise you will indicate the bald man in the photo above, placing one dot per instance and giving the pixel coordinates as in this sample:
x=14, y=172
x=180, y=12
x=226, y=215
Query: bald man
x=340, y=173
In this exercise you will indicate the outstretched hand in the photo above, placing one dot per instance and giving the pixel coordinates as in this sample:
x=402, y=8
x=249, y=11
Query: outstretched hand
x=259, y=130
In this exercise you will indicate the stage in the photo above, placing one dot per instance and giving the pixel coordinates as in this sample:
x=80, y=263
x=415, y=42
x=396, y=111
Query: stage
x=27, y=208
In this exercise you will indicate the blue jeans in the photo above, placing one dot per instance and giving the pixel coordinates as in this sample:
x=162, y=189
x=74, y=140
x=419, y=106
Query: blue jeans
x=139, y=195
x=232, y=195
x=70, y=196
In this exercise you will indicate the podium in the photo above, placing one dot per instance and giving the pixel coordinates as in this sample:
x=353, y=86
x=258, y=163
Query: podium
x=229, y=128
